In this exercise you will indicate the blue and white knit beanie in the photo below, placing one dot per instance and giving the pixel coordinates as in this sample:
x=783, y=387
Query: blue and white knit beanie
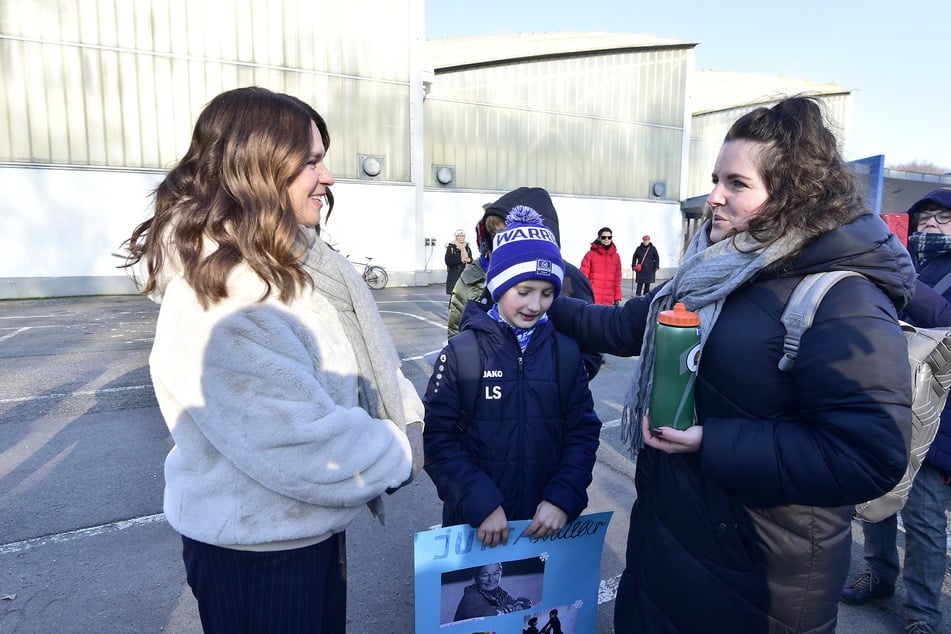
x=525, y=250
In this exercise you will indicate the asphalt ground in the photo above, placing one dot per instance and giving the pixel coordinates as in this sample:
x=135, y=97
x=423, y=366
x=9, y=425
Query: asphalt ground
x=84, y=546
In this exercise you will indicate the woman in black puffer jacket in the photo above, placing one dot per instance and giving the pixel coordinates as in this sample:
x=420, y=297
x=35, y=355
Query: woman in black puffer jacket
x=742, y=522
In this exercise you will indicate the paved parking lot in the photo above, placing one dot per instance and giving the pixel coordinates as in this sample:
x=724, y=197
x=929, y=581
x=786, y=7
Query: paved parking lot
x=84, y=546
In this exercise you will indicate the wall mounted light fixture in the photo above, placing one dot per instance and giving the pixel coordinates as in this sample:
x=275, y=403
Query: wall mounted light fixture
x=371, y=167
x=444, y=175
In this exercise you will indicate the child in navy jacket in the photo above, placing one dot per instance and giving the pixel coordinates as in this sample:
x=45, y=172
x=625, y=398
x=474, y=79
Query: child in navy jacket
x=520, y=456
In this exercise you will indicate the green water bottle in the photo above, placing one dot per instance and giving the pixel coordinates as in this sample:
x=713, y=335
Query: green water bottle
x=676, y=355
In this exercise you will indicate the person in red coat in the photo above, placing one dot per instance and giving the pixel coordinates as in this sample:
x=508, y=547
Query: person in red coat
x=602, y=266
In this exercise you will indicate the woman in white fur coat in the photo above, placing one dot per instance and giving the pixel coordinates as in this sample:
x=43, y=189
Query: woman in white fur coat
x=272, y=368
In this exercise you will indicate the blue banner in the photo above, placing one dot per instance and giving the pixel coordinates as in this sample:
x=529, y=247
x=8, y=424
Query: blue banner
x=529, y=586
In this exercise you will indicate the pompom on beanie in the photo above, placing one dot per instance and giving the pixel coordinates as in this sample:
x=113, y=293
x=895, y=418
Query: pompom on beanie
x=525, y=250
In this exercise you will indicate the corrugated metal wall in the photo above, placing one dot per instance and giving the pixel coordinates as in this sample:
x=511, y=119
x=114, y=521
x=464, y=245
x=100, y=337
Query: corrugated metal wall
x=605, y=125
x=708, y=130
x=119, y=83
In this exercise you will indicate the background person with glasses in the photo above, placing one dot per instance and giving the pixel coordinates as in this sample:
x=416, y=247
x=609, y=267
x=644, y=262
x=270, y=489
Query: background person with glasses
x=602, y=266
x=923, y=516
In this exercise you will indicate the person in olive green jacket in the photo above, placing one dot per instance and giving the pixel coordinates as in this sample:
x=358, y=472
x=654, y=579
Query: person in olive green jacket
x=471, y=282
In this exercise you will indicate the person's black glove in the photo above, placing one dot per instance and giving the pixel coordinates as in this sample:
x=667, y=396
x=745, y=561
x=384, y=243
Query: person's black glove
x=617, y=302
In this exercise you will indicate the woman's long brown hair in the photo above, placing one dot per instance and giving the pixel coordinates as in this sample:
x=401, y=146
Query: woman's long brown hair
x=230, y=191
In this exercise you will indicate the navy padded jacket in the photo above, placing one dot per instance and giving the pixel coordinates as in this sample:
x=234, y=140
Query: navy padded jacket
x=516, y=450
x=753, y=532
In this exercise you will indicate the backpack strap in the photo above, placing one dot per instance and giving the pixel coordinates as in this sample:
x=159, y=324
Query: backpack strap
x=801, y=310
x=465, y=347
x=942, y=284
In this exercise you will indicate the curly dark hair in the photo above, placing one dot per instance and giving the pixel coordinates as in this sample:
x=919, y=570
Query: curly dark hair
x=230, y=191
x=811, y=188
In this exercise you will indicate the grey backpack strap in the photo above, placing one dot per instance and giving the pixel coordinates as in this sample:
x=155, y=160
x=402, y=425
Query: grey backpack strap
x=801, y=310
x=942, y=284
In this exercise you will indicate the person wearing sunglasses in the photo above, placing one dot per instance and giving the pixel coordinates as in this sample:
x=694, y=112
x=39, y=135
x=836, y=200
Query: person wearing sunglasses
x=602, y=266
x=924, y=514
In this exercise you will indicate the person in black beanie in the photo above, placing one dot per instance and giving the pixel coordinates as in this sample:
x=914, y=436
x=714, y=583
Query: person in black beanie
x=576, y=285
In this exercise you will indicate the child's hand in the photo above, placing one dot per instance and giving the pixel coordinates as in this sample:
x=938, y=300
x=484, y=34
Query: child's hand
x=494, y=529
x=548, y=519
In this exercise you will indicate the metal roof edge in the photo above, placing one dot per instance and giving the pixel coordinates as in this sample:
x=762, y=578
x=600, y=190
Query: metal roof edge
x=455, y=54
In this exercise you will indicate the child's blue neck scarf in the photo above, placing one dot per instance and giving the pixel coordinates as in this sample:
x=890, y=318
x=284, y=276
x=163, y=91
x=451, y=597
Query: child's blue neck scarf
x=524, y=335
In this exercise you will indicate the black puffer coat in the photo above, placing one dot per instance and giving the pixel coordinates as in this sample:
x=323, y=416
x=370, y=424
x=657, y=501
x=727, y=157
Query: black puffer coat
x=753, y=532
x=454, y=264
x=649, y=259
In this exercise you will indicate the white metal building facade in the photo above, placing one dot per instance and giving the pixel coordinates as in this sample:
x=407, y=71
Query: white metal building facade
x=720, y=98
x=99, y=98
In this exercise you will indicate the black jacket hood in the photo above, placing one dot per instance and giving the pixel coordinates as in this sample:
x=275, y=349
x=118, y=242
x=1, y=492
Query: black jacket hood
x=534, y=197
x=867, y=246
x=939, y=197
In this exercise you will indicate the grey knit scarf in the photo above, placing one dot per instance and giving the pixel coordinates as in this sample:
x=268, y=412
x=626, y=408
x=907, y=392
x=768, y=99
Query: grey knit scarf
x=378, y=362
x=708, y=274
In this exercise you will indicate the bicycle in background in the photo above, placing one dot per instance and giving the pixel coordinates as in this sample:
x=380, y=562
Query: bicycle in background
x=374, y=275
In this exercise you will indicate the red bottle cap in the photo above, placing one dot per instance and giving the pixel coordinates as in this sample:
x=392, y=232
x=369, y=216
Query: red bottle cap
x=679, y=316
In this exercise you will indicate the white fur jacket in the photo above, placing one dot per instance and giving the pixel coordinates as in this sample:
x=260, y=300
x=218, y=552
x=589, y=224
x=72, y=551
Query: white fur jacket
x=271, y=447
